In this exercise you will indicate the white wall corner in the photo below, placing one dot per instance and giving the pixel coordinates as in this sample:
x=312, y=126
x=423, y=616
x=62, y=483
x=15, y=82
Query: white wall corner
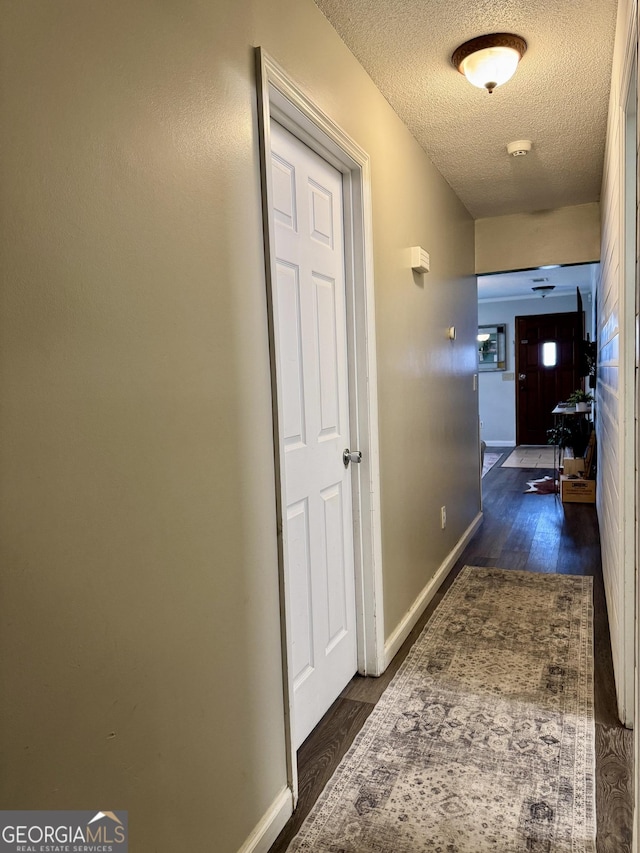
x=271, y=824
x=397, y=638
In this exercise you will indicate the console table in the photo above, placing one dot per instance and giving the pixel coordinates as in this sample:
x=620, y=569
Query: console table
x=560, y=413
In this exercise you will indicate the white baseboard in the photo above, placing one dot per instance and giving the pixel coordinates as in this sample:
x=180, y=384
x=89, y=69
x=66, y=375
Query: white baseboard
x=270, y=825
x=500, y=443
x=392, y=645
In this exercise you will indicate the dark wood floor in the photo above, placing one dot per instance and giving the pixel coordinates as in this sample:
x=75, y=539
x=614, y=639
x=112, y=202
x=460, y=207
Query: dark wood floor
x=533, y=532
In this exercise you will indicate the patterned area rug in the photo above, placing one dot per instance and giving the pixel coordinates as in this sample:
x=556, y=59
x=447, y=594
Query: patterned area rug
x=490, y=460
x=484, y=740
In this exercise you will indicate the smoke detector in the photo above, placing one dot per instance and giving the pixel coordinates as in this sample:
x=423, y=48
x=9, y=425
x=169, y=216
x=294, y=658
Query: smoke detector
x=519, y=148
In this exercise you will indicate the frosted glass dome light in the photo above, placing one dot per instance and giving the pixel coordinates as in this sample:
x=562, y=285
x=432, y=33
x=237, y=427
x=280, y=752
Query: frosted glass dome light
x=490, y=67
x=489, y=61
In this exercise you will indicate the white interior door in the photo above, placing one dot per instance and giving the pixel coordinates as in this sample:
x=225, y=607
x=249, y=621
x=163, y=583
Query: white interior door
x=313, y=386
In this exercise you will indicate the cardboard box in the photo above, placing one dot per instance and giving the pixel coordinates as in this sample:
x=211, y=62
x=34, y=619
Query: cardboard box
x=573, y=466
x=577, y=490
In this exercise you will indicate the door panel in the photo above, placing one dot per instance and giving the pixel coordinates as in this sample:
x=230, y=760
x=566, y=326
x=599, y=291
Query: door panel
x=300, y=586
x=540, y=386
x=328, y=384
x=335, y=569
x=313, y=383
x=291, y=354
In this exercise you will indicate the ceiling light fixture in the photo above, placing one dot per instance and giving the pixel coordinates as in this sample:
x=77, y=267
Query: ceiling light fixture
x=489, y=61
x=543, y=289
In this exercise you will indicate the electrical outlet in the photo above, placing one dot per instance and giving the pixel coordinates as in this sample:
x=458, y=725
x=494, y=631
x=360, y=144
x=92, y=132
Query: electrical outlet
x=443, y=517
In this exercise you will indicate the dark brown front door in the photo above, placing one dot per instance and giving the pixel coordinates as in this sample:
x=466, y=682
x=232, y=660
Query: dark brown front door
x=547, y=361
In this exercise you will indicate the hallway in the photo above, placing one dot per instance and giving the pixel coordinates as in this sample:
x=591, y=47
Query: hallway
x=528, y=532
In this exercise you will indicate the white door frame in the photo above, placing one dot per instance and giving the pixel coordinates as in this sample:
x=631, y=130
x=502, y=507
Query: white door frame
x=281, y=99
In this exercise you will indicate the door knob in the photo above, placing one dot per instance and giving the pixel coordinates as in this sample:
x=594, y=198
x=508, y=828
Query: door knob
x=522, y=376
x=351, y=456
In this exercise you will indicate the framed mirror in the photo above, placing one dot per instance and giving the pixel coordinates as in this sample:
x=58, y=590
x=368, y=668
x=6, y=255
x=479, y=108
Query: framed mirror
x=492, y=350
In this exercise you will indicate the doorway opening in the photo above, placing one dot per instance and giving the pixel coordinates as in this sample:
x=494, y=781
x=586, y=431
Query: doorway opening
x=516, y=410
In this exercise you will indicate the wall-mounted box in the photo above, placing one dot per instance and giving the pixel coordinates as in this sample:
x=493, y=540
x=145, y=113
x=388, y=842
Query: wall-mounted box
x=419, y=259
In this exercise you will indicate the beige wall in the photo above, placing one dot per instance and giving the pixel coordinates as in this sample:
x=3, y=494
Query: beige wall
x=140, y=656
x=567, y=235
x=428, y=409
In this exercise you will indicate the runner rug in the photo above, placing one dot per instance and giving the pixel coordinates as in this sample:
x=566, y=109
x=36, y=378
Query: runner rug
x=490, y=460
x=484, y=740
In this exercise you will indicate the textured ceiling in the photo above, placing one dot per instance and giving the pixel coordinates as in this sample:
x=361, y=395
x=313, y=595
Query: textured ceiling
x=558, y=98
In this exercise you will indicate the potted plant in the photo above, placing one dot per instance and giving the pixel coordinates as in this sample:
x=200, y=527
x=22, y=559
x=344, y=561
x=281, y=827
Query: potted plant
x=560, y=435
x=590, y=356
x=580, y=399
x=572, y=433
